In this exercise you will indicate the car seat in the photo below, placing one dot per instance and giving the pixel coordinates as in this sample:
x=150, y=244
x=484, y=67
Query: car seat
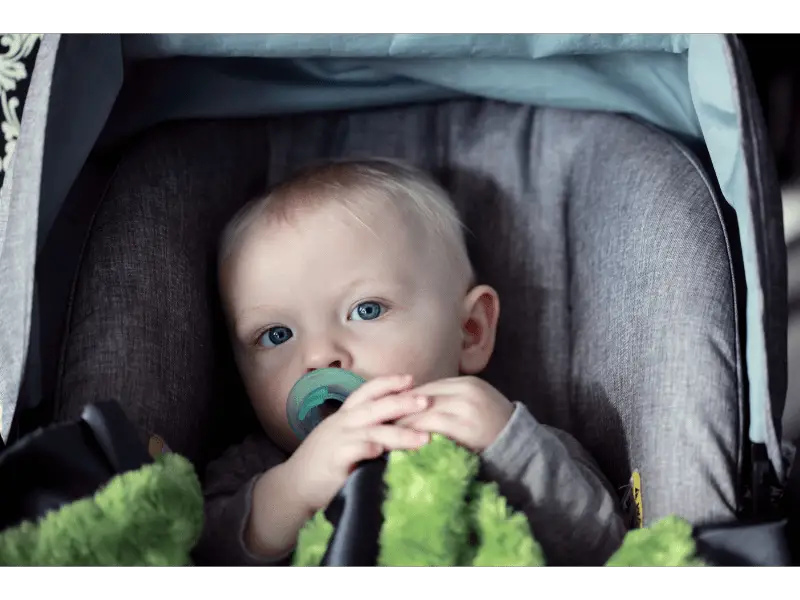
x=615, y=244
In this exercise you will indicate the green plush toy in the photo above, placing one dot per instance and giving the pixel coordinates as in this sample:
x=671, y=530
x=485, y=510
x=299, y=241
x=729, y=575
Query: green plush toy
x=434, y=507
x=149, y=517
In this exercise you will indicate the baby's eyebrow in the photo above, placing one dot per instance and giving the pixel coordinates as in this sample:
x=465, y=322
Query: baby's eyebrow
x=360, y=281
x=386, y=283
x=246, y=321
x=259, y=308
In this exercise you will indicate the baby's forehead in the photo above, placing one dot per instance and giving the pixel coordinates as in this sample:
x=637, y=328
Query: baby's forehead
x=348, y=213
x=368, y=224
x=377, y=244
x=323, y=262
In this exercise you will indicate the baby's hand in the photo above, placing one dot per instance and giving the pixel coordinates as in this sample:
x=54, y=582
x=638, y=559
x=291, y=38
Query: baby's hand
x=362, y=429
x=467, y=410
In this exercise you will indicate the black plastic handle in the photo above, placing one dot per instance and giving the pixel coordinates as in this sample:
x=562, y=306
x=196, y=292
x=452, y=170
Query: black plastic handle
x=357, y=518
x=57, y=465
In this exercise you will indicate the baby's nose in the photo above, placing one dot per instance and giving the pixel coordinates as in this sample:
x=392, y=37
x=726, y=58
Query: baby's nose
x=325, y=351
x=336, y=364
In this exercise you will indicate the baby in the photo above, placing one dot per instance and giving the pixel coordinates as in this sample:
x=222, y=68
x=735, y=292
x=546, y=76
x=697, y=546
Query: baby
x=363, y=265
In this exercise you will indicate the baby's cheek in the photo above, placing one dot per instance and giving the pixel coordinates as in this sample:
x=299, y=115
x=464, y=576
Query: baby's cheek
x=267, y=386
x=264, y=390
x=423, y=354
x=270, y=408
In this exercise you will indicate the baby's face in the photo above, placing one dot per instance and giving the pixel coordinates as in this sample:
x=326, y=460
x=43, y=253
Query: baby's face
x=324, y=290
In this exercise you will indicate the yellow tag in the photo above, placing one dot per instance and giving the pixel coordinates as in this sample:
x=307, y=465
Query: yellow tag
x=156, y=446
x=636, y=486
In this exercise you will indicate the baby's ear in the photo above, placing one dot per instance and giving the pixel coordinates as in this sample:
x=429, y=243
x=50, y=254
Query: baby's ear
x=478, y=328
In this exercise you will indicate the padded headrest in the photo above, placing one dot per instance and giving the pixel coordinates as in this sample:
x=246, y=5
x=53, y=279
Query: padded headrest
x=600, y=234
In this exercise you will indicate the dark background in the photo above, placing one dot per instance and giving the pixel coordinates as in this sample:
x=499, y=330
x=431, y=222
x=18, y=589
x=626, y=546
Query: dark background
x=775, y=65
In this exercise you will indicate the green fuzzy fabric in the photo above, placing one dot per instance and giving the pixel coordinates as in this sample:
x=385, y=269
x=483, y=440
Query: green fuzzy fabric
x=436, y=513
x=149, y=517
x=667, y=543
x=433, y=481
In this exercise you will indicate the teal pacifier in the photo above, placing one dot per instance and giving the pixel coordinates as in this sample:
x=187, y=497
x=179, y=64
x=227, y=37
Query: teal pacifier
x=306, y=402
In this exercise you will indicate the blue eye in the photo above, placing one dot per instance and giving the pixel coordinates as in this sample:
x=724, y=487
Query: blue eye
x=367, y=311
x=275, y=336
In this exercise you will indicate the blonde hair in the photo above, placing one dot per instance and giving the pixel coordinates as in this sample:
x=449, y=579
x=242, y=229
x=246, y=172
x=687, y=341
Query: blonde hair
x=357, y=185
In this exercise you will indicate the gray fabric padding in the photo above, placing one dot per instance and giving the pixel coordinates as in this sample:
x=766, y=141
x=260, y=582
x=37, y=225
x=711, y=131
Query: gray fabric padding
x=618, y=319
x=654, y=344
x=19, y=220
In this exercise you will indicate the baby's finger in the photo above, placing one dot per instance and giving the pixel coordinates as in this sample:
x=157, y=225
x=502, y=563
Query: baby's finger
x=451, y=405
x=378, y=388
x=450, y=426
x=350, y=454
x=443, y=387
x=372, y=442
x=392, y=437
x=408, y=420
x=384, y=410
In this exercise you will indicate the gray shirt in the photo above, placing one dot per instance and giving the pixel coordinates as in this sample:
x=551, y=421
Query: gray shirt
x=571, y=507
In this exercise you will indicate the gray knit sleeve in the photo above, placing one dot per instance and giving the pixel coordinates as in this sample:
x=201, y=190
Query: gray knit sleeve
x=544, y=472
x=228, y=494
